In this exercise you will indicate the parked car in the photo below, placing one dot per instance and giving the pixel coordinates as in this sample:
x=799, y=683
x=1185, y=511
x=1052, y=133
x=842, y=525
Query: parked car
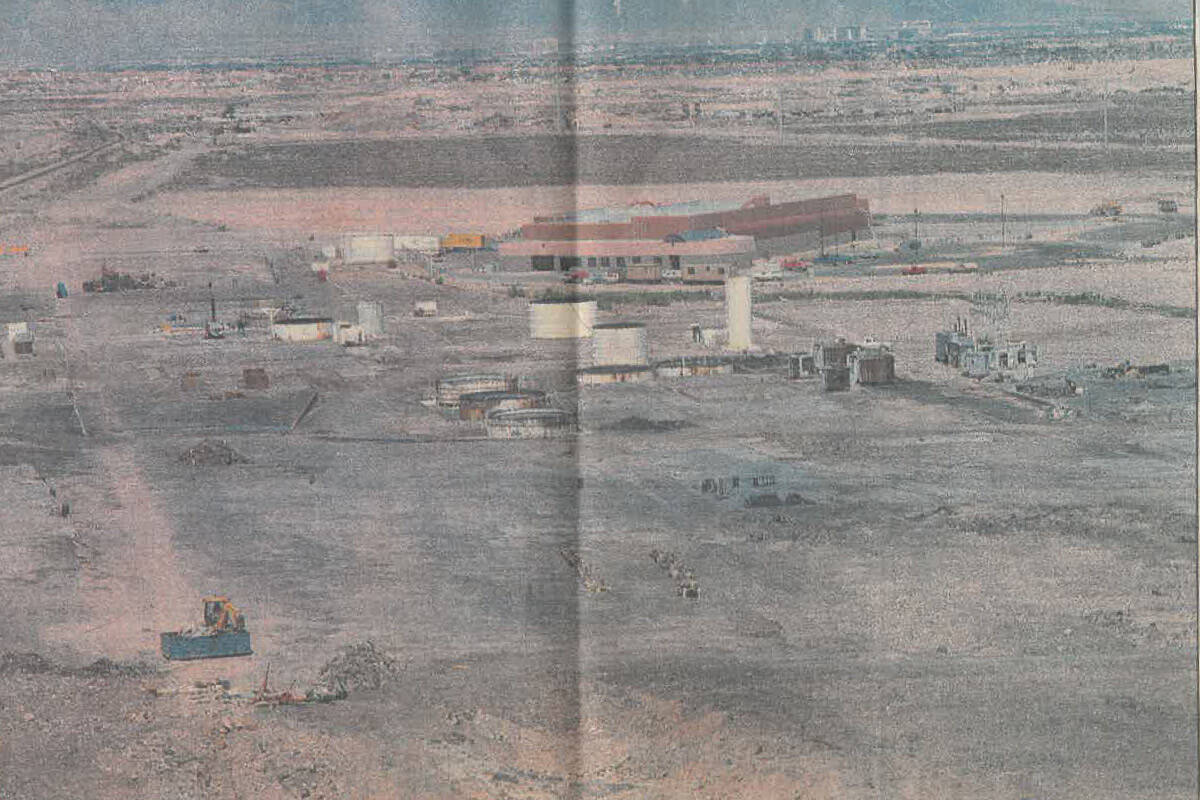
x=914, y=269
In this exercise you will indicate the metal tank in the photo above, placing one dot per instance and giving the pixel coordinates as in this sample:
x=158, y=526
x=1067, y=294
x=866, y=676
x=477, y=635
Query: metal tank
x=616, y=343
x=561, y=319
x=738, y=311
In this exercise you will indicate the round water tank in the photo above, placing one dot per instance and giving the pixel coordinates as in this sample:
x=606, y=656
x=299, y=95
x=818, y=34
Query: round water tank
x=450, y=389
x=561, y=319
x=476, y=405
x=615, y=373
x=530, y=423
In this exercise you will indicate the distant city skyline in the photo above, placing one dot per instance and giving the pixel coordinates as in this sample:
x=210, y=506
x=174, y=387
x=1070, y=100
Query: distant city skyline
x=106, y=32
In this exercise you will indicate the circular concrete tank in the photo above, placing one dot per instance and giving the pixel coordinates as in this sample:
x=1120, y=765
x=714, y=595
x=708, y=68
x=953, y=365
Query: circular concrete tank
x=530, y=423
x=450, y=389
x=618, y=343
x=475, y=406
x=561, y=319
x=615, y=373
x=693, y=366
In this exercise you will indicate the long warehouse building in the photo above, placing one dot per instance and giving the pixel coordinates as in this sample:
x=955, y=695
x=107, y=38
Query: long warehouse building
x=776, y=227
x=710, y=259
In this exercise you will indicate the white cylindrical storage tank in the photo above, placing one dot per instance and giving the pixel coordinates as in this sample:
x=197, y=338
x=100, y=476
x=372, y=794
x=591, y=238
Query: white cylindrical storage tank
x=618, y=343
x=737, y=312
x=367, y=248
x=561, y=319
x=370, y=317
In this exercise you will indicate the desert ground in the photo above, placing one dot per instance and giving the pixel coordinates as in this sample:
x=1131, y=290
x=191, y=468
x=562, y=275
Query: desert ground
x=965, y=594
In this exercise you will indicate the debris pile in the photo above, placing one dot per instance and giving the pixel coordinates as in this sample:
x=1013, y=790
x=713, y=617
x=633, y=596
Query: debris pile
x=24, y=663
x=357, y=667
x=756, y=626
x=112, y=281
x=212, y=452
x=584, y=571
x=1128, y=370
x=771, y=500
x=686, y=585
x=1064, y=387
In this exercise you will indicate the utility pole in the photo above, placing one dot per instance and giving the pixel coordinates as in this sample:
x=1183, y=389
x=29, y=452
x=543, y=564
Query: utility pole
x=779, y=111
x=1106, y=113
x=1003, y=224
x=917, y=224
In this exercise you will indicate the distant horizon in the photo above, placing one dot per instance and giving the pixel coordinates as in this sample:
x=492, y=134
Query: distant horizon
x=98, y=34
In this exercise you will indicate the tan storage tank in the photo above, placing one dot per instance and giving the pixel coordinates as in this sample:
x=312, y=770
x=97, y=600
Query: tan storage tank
x=561, y=319
x=475, y=406
x=530, y=423
x=449, y=390
x=737, y=311
x=618, y=343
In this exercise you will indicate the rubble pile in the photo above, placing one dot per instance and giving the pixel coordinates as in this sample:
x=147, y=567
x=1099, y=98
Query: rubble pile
x=212, y=452
x=686, y=585
x=584, y=571
x=357, y=667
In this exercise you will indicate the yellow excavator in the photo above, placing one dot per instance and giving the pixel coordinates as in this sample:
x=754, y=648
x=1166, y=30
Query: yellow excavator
x=222, y=615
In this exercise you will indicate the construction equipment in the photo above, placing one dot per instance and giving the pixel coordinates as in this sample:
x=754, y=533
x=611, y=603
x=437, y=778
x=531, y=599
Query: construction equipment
x=224, y=634
x=1107, y=209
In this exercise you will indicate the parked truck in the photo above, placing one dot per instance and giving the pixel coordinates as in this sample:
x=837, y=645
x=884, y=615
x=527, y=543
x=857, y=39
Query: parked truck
x=462, y=241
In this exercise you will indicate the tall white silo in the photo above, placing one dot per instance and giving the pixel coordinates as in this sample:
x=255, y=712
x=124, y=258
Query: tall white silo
x=737, y=312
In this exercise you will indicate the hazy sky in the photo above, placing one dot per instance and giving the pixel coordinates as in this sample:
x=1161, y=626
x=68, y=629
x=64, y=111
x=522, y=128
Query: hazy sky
x=90, y=32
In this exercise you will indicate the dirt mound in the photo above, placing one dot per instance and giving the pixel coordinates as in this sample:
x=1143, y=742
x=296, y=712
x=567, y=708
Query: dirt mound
x=212, y=452
x=357, y=667
x=643, y=425
x=753, y=625
x=104, y=667
x=35, y=664
x=28, y=663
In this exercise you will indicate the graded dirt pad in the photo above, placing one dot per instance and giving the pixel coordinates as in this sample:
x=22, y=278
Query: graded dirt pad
x=1148, y=118
x=540, y=160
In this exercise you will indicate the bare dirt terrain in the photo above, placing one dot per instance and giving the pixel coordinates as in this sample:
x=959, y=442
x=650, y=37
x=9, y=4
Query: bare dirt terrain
x=964, y=596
